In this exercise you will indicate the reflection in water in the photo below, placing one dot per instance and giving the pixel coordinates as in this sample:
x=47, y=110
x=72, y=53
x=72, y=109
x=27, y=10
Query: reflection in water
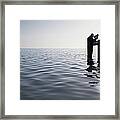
x=55, y=74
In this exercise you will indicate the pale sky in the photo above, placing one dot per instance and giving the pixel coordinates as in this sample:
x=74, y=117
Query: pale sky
x=57, y=33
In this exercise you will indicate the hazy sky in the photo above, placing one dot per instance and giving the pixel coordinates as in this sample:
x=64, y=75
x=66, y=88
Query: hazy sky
x=57, y=33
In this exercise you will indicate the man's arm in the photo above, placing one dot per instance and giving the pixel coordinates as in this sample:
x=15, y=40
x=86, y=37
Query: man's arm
x=95, y=42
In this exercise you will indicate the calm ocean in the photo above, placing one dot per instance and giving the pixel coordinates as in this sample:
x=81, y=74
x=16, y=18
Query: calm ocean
x=55, y=74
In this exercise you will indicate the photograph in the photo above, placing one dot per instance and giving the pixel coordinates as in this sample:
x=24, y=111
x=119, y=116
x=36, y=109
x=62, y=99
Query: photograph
x=60, y=59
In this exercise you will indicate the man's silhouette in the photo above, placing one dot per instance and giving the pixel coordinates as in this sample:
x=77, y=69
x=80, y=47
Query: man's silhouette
x=90, y=41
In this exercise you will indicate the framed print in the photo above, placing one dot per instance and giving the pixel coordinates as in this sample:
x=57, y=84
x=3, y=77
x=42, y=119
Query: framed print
x=59, y=60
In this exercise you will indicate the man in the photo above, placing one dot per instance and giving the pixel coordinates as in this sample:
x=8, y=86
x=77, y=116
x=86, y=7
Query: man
x=90, y=41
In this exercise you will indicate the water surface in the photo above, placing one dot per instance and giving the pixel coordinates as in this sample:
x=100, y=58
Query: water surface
x=55, y=74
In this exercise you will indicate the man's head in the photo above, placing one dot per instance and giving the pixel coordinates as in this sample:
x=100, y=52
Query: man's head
x=92, y=35
x=96, y=36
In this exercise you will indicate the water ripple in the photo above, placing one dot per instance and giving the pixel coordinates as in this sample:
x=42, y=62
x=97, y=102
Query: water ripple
x=55, y=74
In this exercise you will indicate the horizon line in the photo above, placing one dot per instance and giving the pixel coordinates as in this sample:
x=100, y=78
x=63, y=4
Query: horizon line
x=56, y=47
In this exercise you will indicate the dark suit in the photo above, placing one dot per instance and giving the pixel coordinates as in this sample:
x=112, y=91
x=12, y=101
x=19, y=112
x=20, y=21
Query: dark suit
x=90, y=41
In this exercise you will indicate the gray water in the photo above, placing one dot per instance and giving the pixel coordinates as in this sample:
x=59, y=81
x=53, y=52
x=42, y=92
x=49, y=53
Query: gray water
x=55, y=74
